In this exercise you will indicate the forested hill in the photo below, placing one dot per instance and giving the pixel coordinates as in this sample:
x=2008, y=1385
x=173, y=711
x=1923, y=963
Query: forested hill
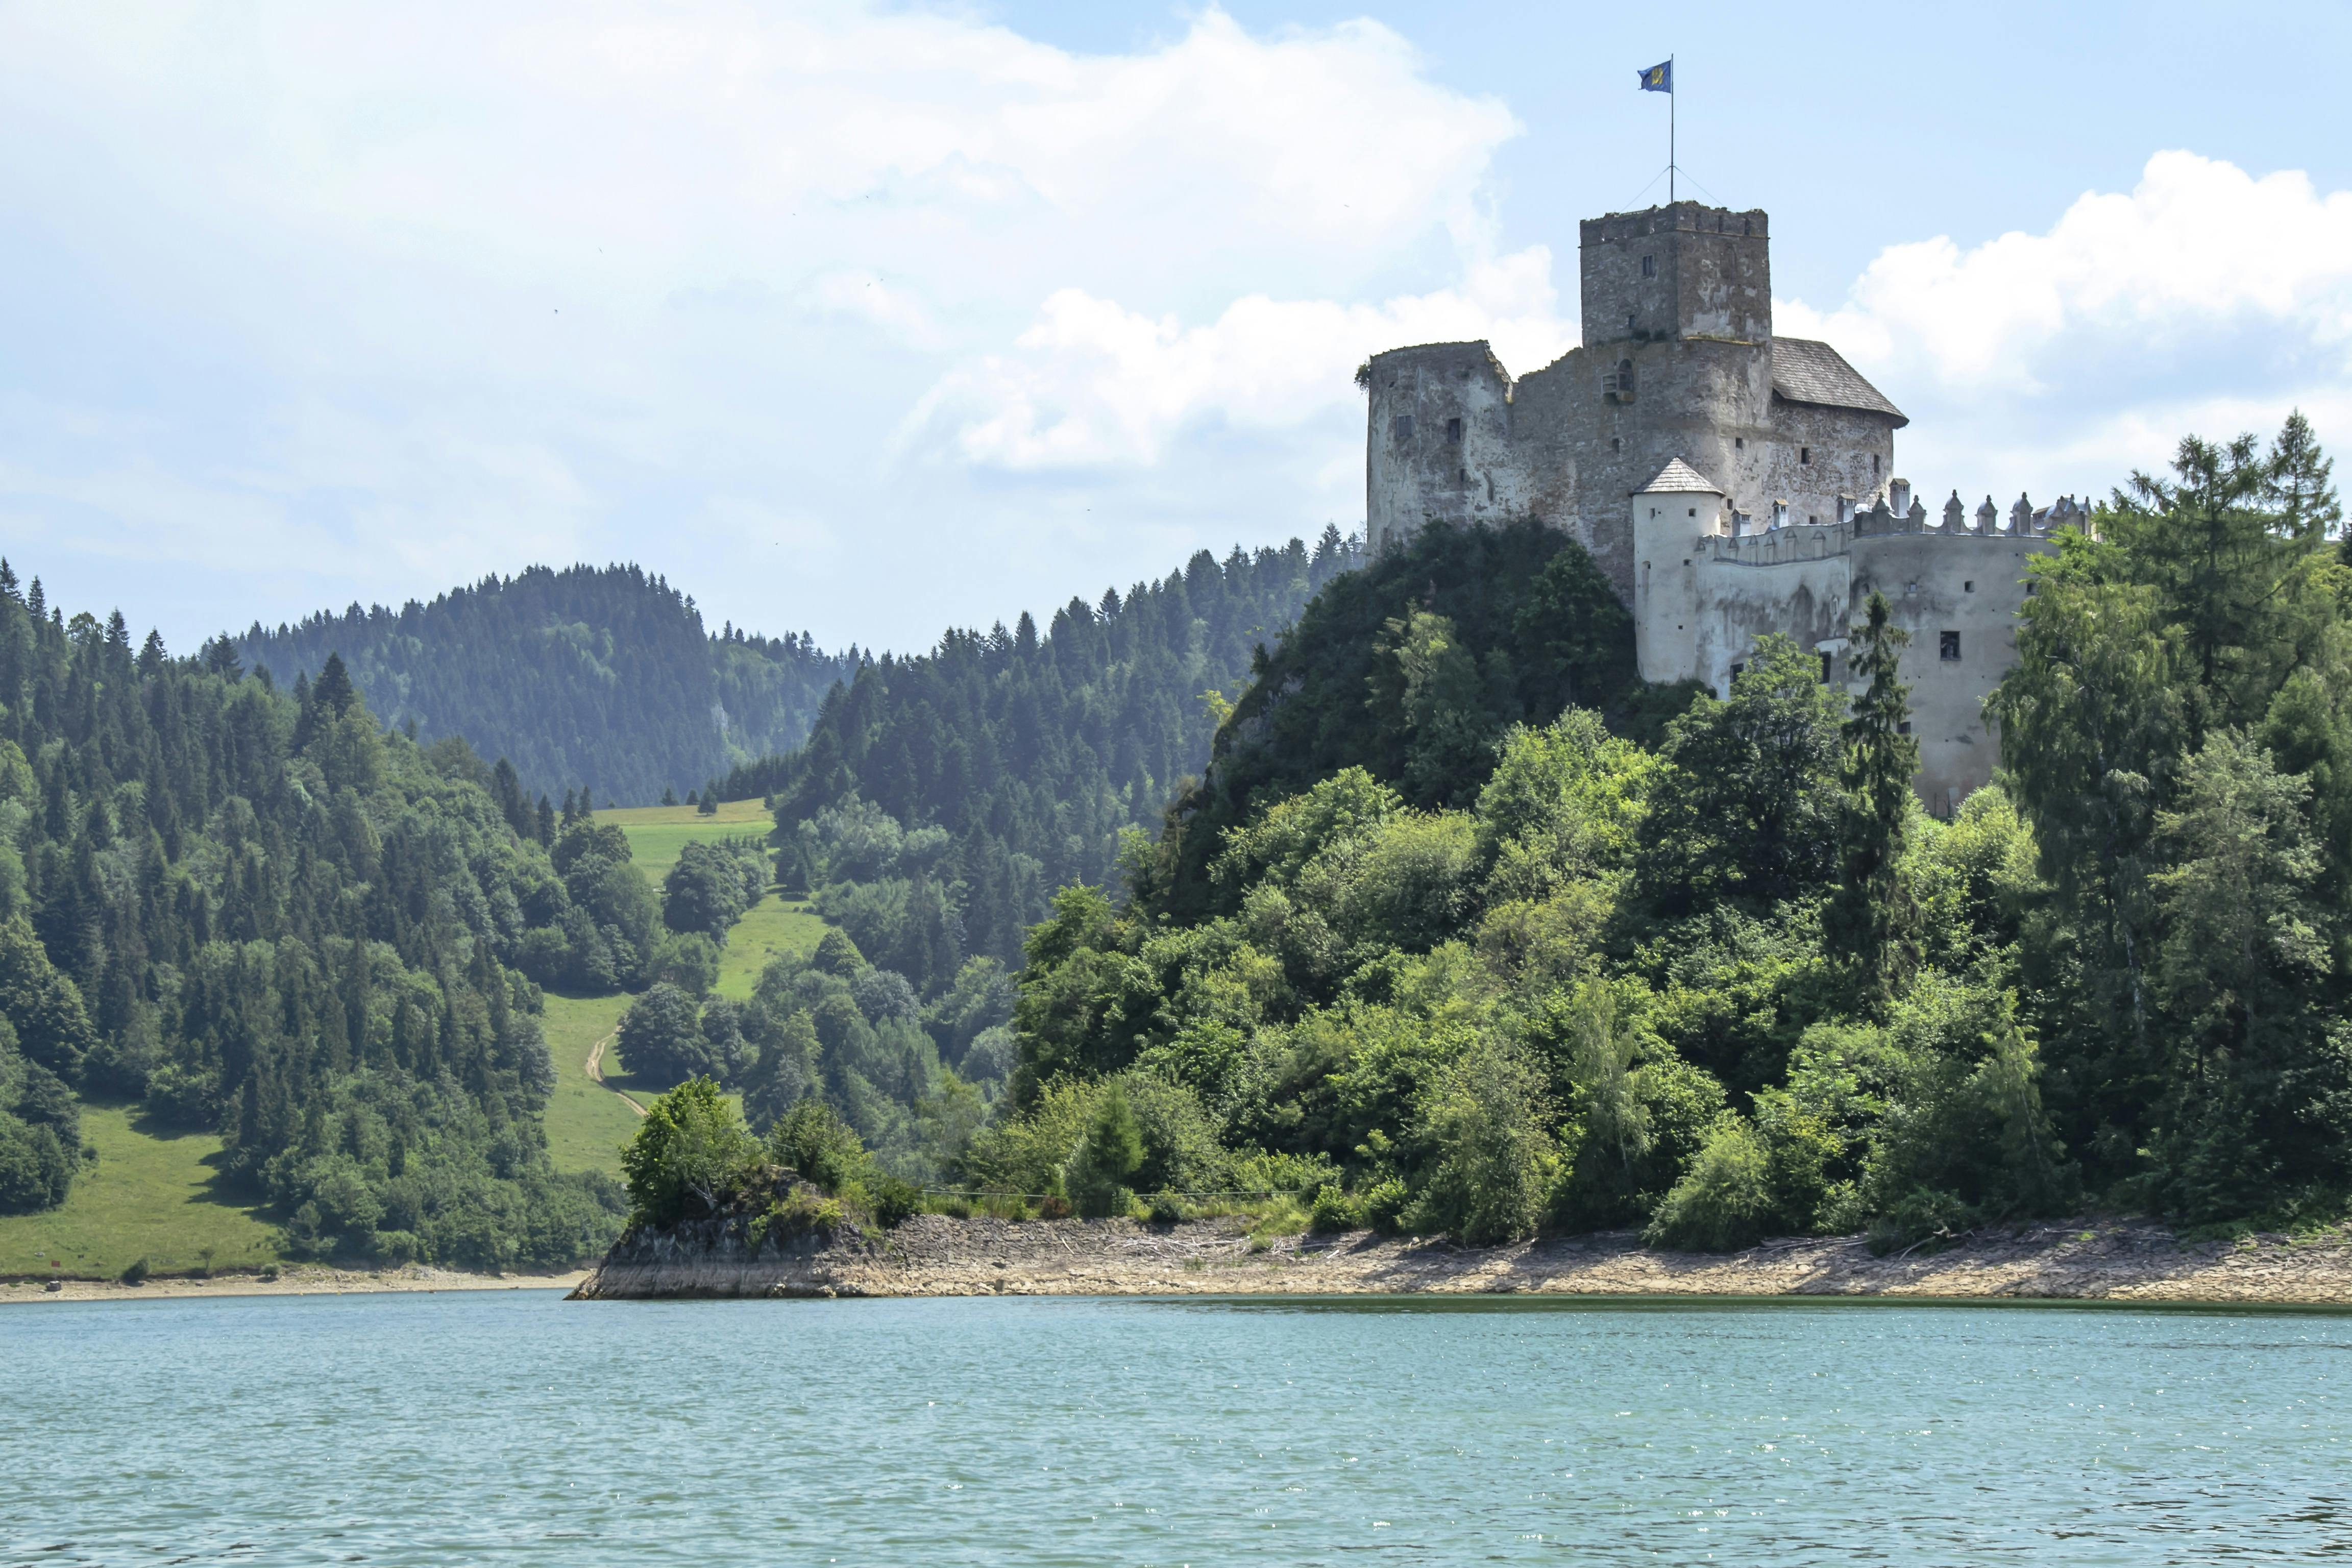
x=1477, y=964
x=1013, y=761
x=256, y=912
x=605, y=677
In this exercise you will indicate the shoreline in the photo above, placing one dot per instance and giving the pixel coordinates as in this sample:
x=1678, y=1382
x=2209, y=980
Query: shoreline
x=933, y=1255
x=307, y=1279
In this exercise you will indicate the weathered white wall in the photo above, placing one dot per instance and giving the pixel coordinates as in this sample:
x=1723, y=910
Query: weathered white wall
x=1710, y=597
x=1970, y=583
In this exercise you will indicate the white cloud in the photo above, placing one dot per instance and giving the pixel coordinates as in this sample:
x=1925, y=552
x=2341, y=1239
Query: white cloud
x=441, y=285
x=2205, y=299
x=1091, y=383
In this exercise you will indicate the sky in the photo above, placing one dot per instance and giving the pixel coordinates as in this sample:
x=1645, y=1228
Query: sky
x=865, y=320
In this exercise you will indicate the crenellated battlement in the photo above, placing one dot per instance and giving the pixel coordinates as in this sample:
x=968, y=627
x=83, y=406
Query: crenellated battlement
x=1765, y=541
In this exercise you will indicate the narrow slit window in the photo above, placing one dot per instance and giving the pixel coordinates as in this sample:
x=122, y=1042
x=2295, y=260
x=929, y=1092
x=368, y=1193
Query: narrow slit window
x=1874, y=464
x=1649, y=267
x=1805, y=454
x=1948, y=647
x=1454, y=431
x=1616, y=443
x=1825, y=669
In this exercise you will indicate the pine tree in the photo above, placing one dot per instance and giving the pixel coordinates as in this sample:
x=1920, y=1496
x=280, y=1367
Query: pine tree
x=1869, y=920
x=2300, y=483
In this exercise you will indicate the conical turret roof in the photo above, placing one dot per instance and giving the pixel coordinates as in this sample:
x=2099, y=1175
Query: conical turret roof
x=1678, y=477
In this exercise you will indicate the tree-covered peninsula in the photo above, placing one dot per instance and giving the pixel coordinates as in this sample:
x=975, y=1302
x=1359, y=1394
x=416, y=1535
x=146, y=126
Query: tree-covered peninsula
x=1464, y=931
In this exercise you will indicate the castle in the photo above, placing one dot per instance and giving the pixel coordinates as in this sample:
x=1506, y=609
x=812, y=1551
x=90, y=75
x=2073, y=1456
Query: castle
x=1728, y=483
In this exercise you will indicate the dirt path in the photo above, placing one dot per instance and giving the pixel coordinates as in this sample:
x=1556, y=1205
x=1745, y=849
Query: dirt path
x=594, y=1067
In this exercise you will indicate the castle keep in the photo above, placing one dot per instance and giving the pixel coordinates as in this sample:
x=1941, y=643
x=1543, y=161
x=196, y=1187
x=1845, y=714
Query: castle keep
x=1728, y=483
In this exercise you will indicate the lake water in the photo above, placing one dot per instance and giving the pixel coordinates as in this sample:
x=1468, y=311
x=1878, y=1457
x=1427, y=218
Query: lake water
x=514, y=1427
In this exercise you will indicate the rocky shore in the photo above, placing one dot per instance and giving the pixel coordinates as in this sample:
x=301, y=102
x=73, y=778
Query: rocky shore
x=304, y=1280
x=933, y=1255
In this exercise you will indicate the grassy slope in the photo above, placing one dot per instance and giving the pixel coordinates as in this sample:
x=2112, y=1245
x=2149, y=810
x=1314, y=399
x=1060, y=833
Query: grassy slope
x=148, y=1197
x=155, y=1196
x=586, y=1123
x=657, y=833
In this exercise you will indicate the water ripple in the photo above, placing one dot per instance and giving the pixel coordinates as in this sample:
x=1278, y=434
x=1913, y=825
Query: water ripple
x=512, y=1428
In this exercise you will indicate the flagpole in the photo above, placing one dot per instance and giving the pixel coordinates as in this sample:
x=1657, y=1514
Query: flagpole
x=1671, y=96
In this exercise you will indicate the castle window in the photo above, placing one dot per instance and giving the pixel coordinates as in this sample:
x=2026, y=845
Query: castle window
x=1825, y=669
x=1739, y=443
x=1874, y=464
x=1693, y=511
x=1948, y=647
x=1738, y=670
x=1804, y=455
x=1649, y=267
x=1454, y=431
x=1904, y=728
x=1403, y=427
x=1631, y=323
x=1967, y=587
x=1616, y=444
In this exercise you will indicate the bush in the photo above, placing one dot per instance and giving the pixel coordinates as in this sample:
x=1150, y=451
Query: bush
x=1385, y=1206
x=710, y=887
x=1496, y=1163
x=1110, y=1152
x=1725, y=1200
x=824, y=1151
x=661, y=1038
x=801, y=1212
x=688, y=960
x=891, y=1199
x=690, y=1156
x=136, y=1273
x=1334, y=1210
x=1034, y=1153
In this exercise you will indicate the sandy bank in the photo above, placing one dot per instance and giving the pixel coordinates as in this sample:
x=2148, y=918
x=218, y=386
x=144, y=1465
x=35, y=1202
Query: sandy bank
x=302, y=1281
x=935, y=1255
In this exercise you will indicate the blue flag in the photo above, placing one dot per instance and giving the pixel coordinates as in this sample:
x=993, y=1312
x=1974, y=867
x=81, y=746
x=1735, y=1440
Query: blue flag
x=1659, y=79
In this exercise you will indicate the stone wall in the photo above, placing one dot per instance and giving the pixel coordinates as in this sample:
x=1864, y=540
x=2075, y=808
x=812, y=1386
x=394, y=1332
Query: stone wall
x=1708, y=596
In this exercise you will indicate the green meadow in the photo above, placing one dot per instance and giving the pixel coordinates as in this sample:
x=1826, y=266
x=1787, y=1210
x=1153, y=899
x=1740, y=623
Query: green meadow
x=657, y=833
x=153, y=1194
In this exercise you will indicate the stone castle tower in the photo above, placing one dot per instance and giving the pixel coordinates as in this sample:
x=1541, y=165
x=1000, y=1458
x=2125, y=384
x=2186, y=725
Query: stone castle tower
x=1728, y=483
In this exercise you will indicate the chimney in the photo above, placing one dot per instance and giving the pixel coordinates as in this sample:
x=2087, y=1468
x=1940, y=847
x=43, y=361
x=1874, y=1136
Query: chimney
x=1898, y=496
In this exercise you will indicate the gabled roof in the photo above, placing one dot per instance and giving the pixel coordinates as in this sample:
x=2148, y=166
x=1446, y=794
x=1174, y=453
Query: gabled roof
x=1807, y=371
x=1678, y=477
